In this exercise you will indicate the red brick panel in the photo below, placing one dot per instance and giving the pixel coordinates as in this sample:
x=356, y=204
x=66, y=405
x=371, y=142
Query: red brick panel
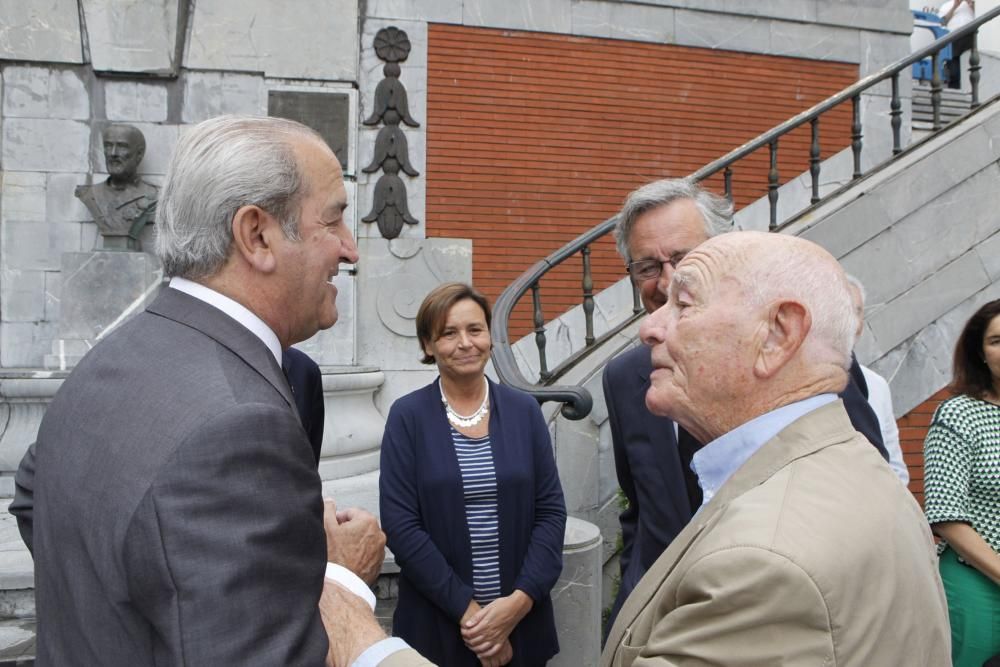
x=912, y=431
x=534, y=138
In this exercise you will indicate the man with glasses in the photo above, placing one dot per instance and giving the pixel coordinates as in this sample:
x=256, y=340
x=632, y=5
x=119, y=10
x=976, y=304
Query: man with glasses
x=658, y=225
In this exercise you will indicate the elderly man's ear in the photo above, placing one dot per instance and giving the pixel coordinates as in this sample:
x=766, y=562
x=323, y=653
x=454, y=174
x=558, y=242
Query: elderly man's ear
x=254, y=231
x=787, y=325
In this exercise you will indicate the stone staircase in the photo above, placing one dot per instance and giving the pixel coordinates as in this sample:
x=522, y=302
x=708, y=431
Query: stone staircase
x=954, y=105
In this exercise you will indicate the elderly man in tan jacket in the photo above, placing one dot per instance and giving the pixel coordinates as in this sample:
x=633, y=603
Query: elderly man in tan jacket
x=807, y=550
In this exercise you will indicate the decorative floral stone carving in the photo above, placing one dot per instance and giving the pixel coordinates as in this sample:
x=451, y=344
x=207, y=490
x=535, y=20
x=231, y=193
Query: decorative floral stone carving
x=389, y=206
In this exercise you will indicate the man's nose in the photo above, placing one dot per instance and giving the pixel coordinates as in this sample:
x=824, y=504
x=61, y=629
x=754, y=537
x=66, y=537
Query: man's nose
x=653, y=329
x=348, y=249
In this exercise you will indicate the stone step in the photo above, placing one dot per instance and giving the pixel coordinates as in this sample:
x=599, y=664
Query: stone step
x=17, y=571
x=17, y=643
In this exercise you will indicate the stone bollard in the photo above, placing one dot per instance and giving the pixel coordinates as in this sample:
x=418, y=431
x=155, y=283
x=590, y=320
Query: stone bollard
x=577, y=597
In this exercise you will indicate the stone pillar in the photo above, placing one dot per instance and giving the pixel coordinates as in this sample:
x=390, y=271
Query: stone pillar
x=352, y=436
x=24, y=395
x=577, y=597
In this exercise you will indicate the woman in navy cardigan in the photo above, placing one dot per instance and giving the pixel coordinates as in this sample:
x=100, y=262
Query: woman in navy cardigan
x=470, y=501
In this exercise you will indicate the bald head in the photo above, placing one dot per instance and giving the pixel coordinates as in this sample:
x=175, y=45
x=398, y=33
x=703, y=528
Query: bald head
x=754, y=321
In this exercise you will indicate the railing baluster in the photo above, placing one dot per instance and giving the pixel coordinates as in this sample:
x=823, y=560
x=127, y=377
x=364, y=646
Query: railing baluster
x=636, y=299
x=536, y=300
x=936, y=90
x=772, y=184
x=814, y=160
x=856, y=134
x=588, y=296
x=727, y=183
x=974, y=68
x=896, y=115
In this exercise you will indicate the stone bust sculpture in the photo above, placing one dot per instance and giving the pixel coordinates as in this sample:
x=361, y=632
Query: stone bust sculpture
x=124, y=203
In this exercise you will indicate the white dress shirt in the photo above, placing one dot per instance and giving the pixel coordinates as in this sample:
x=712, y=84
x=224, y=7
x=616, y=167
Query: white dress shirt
x=881, y=401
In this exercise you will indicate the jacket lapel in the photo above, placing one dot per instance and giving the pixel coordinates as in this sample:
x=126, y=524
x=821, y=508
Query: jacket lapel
x=195, y=313
x=823, y=427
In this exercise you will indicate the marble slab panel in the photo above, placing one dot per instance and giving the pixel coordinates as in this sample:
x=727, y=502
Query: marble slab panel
x=210, y=94
x=22, y=296
x=39, y=144
x=928, y=300
x=536, y=15
x=61, y=204
x=98, y=288
x=136, y=37
x=35, y=245
x=23, y=196
x=816, y=42
x=254, y=36
x=722, y=31
x=40, y=30
x=430, y=11
x=41, y=92
x=131, y=101
x=25, y=344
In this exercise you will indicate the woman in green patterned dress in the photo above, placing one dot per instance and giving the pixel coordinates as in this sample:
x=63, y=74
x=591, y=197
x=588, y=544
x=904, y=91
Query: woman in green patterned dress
x=962, y=490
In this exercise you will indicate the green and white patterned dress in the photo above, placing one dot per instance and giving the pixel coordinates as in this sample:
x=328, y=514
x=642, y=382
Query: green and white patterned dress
x=962, y=466
x=962, y=483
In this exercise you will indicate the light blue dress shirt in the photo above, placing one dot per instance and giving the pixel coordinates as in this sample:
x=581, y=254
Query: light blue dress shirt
x=718, y=460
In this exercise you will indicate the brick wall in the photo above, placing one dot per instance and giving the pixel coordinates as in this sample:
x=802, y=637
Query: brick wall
x=912, y=431
x=535, y=138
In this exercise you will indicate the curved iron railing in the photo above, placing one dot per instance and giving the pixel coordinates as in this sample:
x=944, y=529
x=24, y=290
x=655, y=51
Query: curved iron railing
x=577, y=400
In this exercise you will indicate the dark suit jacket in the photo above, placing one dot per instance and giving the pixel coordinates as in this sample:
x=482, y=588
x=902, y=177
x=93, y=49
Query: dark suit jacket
x=422, y=506
x=654, y=472
x=306, y=382
x=177, y=509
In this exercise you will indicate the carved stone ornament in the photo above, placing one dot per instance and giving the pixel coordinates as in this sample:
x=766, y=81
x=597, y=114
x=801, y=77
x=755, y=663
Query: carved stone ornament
x=389, y=207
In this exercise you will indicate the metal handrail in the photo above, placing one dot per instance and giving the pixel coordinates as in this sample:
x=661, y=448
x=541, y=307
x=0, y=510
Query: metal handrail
x=577, y=401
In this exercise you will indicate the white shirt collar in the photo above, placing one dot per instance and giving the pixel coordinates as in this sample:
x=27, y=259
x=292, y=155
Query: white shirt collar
x=718, y=460
x=235, y=310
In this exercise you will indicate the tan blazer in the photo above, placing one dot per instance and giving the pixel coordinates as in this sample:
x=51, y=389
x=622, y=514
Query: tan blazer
x=813, y=553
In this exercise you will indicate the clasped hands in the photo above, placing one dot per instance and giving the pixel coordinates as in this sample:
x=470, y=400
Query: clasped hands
x=486, y=630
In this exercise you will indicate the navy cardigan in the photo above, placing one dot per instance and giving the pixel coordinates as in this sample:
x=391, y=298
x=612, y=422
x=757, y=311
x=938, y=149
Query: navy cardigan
x=422, y=508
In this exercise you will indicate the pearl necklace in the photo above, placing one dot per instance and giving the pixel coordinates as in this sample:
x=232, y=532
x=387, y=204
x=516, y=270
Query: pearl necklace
x=473, y=419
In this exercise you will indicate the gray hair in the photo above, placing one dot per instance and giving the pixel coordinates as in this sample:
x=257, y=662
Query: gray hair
x=716, y=211
x=220, y=165
x=854, y=282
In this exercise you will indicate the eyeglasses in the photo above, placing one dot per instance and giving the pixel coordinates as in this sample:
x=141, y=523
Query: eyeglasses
x=650, y=269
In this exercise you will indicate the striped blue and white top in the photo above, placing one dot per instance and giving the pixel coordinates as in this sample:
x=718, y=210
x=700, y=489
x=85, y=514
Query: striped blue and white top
x=479, y=480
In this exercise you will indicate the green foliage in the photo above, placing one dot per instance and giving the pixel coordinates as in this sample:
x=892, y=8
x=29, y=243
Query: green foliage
x=616, y=584
x=622, y=500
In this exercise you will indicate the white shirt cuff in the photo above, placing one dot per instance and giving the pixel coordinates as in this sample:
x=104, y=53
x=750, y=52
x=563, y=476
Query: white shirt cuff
x=351, y=582
x=379, y=651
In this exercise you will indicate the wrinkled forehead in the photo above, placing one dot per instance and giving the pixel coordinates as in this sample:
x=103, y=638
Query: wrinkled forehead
x=710, y=264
